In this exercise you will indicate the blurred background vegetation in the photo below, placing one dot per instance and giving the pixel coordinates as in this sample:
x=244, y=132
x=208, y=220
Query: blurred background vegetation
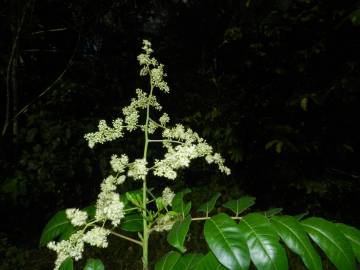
x=274, y=85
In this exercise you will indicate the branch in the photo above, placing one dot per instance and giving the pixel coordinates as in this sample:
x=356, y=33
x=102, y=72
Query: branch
x=206, y=218
x=9, y=69
x=127, y=238
x=49, y=30
x=171, y=141
x=156, y=123
x=53, y=83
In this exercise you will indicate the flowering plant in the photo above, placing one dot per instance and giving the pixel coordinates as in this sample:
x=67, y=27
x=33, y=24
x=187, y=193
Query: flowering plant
x=234, y=241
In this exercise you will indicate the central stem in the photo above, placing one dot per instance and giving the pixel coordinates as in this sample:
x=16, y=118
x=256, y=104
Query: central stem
x=146, y=231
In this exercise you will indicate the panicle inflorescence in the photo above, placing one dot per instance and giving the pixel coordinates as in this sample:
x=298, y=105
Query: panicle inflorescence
x=188, y=146
x=132, y=111
x=181, y=146
x=105, y=133
x=72, y=248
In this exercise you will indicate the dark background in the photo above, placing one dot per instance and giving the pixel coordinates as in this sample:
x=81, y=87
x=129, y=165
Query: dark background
x=272, y=84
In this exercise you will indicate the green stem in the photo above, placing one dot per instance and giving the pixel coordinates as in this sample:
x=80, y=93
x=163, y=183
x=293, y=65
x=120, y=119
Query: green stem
x=161, y=141
x=146, y=231
x=206, y=218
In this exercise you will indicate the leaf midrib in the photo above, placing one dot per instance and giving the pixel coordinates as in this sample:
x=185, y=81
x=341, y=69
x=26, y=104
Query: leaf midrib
x=290, y=229
x=330, y=240
x=229, y=246
x=256, y=235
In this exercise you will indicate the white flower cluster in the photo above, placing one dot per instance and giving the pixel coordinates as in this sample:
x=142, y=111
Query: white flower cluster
x=131, y=112
x=138, y=169
x=144, y=58
x=152, y=127
x=217, y=159
x=190, y=146
x=74, y=247
x=157, y=78
x=76, y=216
x=164, y=119
x=152, y=67
x=108, y=205
x=175, y=158
x=119, y=164
x=180, y=133
x=110, y=183
x=167, y=196
x=105, y=133
x=97, y=237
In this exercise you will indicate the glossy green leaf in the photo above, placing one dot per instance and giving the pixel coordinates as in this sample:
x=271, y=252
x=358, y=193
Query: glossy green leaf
x=334, y=244
x=58, y=227
x=293, y=235
x=225, y=240
x=168, y=261
x=263, y=243
x=94, y=264
x=240, y=205
x=209, y=262
x=188, y=262
x=178, y=232
x=353, y=236
x=132, y=223
x=68, y=264
x=178, y=204
x=209, y=205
